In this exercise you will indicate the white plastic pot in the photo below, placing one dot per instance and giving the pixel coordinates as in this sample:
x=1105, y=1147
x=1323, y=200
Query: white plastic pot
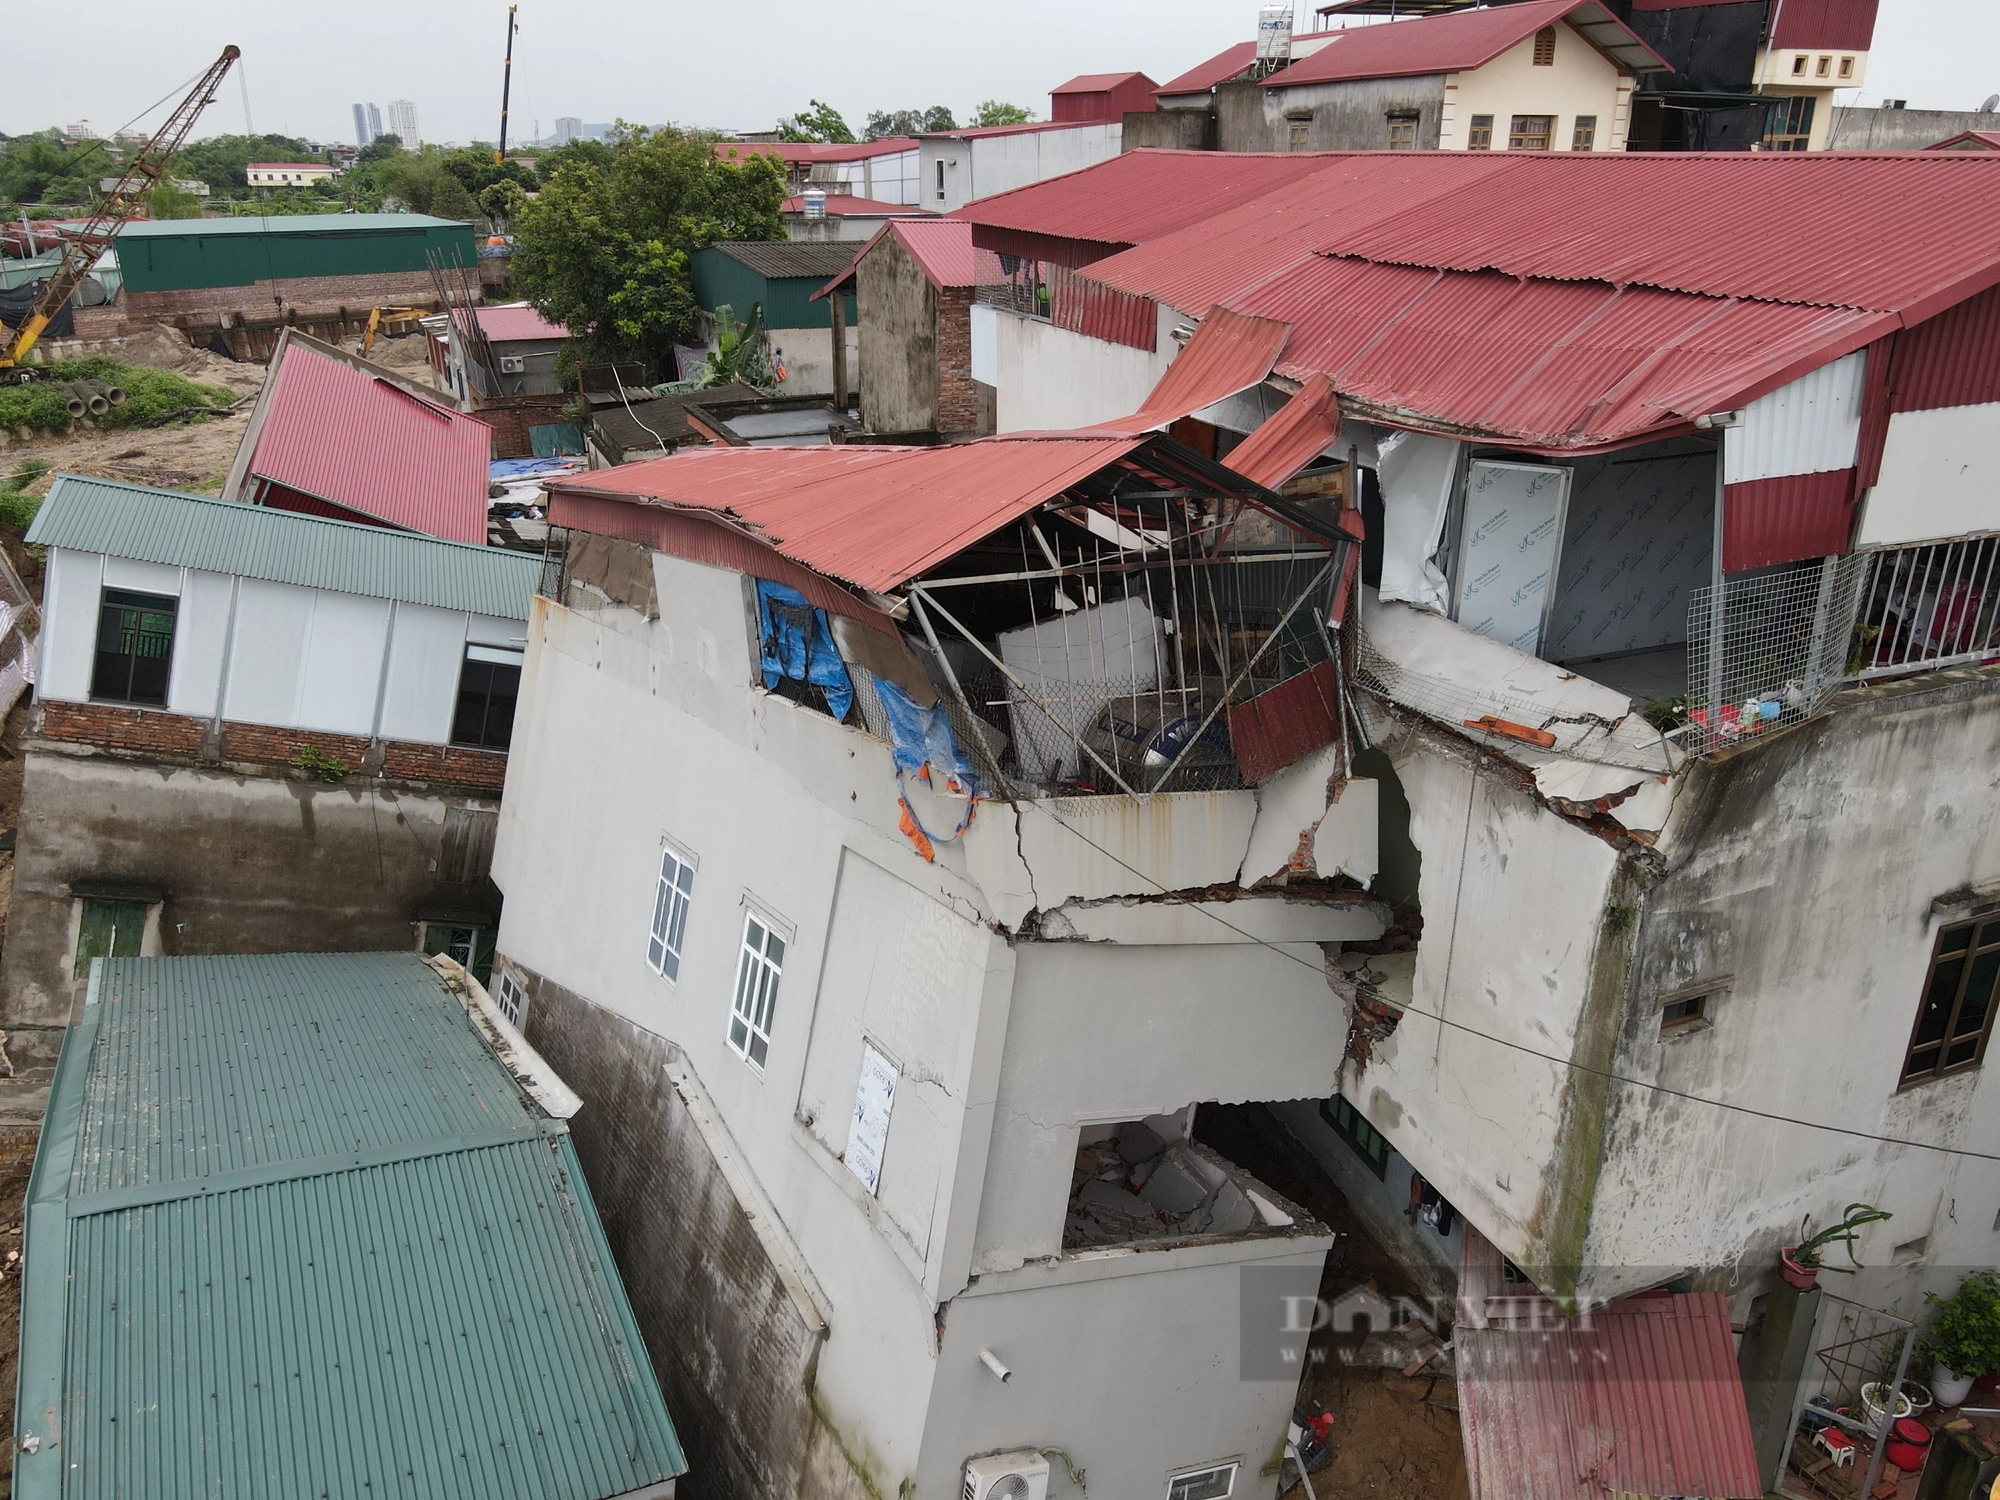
x=1950, y=1389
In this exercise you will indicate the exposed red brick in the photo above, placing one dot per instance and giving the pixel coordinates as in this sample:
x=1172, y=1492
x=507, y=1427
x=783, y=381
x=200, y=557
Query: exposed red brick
x=485, y=769
x=510, y=417
x=958, y=400
x=123, y=728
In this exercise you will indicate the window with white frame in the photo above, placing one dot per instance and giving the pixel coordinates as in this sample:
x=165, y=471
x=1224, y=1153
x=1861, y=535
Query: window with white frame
x=670, y=912
x=1203, y=1484
x=511, y=998
x=758, y=968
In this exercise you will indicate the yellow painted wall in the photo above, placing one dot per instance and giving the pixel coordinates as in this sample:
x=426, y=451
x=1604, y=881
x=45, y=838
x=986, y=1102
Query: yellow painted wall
x=1582, y=81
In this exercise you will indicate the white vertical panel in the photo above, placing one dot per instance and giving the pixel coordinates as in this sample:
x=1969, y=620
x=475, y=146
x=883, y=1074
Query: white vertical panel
x=201, y=629
x=343, y=663
x=1937, y=478
x=69, y=624
x=1811, y=426
x=491, y=630
x=424, y=660
x=267, y=652
x=141, y=577
x=985, y=344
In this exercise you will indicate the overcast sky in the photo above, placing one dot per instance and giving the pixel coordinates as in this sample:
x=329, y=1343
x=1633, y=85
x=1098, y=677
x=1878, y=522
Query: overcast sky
x=731, y=66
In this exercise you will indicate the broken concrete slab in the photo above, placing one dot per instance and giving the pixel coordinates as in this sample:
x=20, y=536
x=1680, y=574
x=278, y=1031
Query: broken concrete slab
x=1267, y=918
x=1310, y=824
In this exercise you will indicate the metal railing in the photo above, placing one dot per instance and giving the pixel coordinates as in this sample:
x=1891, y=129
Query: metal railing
x=1927, y=607
x=1767, y=650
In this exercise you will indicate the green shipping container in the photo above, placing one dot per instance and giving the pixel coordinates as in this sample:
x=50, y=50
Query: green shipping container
x=175, y=255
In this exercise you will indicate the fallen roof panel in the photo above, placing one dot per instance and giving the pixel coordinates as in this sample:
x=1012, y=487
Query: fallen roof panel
x=330, y=426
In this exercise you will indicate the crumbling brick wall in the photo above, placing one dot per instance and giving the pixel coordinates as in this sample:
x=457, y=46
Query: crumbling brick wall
x=959, y=406
x=510, y=417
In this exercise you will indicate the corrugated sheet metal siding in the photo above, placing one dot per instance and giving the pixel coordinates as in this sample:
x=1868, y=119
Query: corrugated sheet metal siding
x=280, y=252
x=1809, y=426
x=1841, y=25
x=1950, y=360
x=1786, y=519
x=252, y=541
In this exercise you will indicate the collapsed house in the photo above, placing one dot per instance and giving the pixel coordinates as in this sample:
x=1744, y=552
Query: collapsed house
x=1678, y=609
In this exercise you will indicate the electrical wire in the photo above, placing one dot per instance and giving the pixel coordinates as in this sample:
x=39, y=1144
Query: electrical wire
x=1567, y=1062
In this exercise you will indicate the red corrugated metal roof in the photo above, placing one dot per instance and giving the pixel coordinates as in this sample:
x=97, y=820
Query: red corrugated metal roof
x=811, y=151
x=1231, y=61
x=1912, y=231
x=363, y=442
x=506, y=325
x=1969, y=140
x=1098, y=83
x=1228, y=353
x=1030, y=127
x=874, y=517
x=1787, y=519
x=1951, y=360
x=1136, y=197
x=1641, y=1397
x=1460, y=41
x=1293, y=438
x=1840, y=24
x=942, y=249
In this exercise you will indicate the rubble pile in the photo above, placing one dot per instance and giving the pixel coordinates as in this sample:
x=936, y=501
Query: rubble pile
x=1135, y=1186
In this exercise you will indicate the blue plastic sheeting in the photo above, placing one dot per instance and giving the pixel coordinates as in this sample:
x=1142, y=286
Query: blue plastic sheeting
x=922, y=742
x=526, y=468
x=795, y=643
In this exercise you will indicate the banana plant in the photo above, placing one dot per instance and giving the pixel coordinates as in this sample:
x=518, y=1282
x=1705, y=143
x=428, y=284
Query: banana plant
x=739, y=352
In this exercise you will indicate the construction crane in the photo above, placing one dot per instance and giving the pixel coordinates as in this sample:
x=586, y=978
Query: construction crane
x=506, y=87
x=120, y=206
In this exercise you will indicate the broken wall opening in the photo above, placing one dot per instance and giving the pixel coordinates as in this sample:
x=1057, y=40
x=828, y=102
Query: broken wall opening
x=1150, y=1180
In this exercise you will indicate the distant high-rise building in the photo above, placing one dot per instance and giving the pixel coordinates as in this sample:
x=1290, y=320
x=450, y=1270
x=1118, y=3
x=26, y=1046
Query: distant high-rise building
x=403, y=123
x=374, y=123
x=568, y=128
x=367, y=124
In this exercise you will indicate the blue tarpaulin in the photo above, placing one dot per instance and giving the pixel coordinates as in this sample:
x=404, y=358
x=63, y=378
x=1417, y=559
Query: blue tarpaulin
x=526, y=468
x=921, y=737
x=796, y=644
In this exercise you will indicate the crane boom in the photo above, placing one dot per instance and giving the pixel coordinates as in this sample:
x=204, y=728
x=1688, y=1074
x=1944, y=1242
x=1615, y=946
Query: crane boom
x=120, y=206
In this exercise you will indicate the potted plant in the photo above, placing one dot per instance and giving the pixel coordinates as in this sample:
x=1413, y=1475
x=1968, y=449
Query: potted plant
x=1963, y=1340
x=1801, y=1264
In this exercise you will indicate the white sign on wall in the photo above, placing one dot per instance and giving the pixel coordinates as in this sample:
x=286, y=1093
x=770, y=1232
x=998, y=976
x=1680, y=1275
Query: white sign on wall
x=868, y=1131
x=1512, y=544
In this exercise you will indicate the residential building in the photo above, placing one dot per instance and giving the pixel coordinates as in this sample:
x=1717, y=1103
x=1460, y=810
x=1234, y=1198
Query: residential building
x=1101, y=96
x=367, y=124
x=820, y=215
x=1969, y=140
x=448, y=1238
x=246, y=280
x=254, y=731
x=402, y=119
x=883, y=170
x=274, y=174
x=1544, y=75
x=500, y=362
x=568, y=128
x=815, y=342
x=422, y=467
x=956, y=166
x=913, y=287
x=954, y=1015
x=1606, y=509
x=192, y=185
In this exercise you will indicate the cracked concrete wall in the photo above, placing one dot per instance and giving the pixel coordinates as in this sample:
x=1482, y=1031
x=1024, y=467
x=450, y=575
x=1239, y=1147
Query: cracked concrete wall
x=1511, y=896
x=1801, y=892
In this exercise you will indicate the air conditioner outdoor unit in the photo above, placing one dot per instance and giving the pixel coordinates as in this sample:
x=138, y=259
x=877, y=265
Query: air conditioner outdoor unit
x=513, y=364
x=1020, y=1475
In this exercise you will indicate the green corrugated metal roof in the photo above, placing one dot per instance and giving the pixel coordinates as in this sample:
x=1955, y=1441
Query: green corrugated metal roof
x=282, y=546
x=153, y=229
x=294, y=1230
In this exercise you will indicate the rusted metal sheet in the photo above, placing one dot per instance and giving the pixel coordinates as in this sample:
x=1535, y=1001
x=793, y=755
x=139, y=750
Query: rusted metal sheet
x=1952, y=359
x=1787, y=519
x=1281, y=724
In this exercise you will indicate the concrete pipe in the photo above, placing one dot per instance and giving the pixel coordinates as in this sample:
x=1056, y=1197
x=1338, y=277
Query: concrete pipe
x=77, y=402
x=115, y=394
x=92, y=397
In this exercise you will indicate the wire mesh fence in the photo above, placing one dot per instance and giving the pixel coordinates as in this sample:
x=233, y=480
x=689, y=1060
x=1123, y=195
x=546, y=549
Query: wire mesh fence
x=1926, y=607
x=1767, y=650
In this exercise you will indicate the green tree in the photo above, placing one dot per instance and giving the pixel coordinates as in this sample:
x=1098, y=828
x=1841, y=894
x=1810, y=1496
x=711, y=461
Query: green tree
x=604, y=248
x=994, y=112
x=382, y=148
x=593, y=154
x=476, y=168
x=450, y=200
x=820, y=122
x=501, y=202
x=908, y=122
x=41, y=169
x=169, y=200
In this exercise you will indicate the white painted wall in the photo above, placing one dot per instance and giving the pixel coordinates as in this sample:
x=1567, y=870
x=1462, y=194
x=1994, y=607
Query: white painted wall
x=980, y=166
x=1581, y=81
x=1052, y=379
x=292, y=657
x=1937, y=478
x=807, y=354
x=1810, y=426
